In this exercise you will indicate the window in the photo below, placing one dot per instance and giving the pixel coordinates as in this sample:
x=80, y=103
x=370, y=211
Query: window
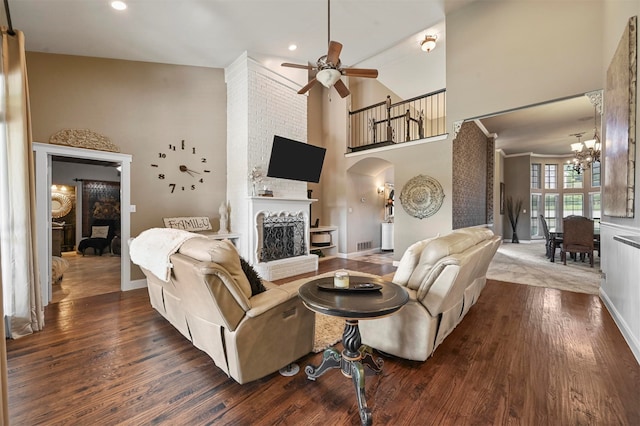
x=595, y=174
x=551, y=211
x=572, y=179
x=572, y=204
x=595, y=209
x=536, y=206
x=550, y=176
x=536, y=169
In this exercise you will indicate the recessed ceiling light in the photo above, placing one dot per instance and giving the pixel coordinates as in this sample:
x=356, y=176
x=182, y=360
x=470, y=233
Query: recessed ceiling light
x=118, y=5
x=292, y=47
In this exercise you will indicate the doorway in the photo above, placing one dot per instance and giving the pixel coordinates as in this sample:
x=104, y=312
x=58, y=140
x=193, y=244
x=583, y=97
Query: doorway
x=44, y=154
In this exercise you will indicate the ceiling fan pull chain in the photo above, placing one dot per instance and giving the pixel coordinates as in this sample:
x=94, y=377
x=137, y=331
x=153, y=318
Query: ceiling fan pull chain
x=328, y=22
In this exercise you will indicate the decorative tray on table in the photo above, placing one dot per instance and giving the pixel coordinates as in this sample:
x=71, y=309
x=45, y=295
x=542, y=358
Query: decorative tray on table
x=353, y=287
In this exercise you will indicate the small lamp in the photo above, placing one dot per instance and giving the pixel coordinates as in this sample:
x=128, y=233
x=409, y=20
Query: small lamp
x=429, y=43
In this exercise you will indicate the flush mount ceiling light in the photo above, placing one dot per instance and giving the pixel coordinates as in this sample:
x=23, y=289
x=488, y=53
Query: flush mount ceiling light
x=118, y=5
x=429, y=43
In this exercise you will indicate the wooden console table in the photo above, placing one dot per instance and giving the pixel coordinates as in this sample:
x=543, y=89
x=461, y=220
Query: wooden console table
x=353, y=305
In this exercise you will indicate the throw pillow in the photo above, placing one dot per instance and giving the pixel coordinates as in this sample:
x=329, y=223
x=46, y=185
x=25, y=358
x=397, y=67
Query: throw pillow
x=99, y=231
x=254, y=278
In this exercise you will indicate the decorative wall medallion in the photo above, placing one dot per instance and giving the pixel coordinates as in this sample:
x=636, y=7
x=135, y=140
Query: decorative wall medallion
x=60, y=205
x=82, y=138
x=422, y=196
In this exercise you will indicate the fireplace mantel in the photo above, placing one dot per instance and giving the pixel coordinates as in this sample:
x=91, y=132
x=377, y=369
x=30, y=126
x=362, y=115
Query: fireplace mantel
x=277, y=205
x=283, y=200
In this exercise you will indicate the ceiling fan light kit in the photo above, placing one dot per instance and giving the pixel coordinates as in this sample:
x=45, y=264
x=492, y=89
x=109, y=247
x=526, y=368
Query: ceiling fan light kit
x=429, y=43
x=328, y=77
x=329, y=68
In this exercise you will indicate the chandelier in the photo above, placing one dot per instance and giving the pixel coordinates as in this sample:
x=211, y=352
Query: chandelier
x=587, y=152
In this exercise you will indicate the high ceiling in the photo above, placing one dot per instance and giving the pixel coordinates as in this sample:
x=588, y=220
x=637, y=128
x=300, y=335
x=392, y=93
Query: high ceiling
x=544, y=129
x=213, y=33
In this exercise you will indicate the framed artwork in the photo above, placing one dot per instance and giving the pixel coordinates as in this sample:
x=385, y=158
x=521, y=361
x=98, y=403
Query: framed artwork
x=501, y=197
x=620, y=126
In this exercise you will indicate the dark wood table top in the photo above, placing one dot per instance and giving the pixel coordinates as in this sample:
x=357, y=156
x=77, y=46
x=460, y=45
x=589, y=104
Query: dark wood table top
x=354, y=304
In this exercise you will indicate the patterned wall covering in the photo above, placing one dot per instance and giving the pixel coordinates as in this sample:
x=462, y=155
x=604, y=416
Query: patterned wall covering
x=472, y=177
x=100, y=200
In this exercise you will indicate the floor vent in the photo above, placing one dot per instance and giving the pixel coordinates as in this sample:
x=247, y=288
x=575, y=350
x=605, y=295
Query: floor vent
x=366, y=245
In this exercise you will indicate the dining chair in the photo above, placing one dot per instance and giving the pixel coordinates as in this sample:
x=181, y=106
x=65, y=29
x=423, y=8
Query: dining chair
x=577, y=237
x=547, y=236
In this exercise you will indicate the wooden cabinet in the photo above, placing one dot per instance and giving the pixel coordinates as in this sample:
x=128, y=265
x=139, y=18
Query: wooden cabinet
x=57, y=236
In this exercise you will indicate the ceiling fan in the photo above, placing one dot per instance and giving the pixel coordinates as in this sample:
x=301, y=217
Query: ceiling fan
x=330, y=68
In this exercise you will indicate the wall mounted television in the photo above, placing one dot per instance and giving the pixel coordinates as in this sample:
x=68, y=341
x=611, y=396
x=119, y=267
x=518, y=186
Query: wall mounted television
x=295, y=160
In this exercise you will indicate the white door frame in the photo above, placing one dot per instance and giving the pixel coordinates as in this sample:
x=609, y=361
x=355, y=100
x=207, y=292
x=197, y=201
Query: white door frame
x=43, y=153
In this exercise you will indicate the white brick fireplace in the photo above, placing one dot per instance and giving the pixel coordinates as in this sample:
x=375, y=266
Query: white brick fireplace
x=261, y=104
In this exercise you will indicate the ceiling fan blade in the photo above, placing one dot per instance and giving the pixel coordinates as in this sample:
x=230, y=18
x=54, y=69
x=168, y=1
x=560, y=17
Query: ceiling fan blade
x=360, y=72
x=341, y=88
x=304, y=67
x=308, y=86
x=333, y=56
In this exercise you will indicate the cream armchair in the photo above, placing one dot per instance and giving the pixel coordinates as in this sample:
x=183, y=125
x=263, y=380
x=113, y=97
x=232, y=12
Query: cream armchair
x=444, y=277
x=208, y=299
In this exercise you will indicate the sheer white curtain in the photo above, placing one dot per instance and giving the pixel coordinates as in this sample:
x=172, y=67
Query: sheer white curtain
x=23, y=311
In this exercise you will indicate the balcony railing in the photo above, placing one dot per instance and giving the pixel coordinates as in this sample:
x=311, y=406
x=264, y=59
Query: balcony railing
x=385, y=123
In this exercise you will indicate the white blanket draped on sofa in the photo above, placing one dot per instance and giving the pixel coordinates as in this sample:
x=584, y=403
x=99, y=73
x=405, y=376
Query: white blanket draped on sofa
x=153, y=247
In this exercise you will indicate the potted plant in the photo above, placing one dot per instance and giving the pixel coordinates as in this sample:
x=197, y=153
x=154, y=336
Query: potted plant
x=513, y=211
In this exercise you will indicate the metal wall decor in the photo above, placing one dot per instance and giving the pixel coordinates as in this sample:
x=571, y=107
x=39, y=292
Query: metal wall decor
x=60, y=205
x=422, y=196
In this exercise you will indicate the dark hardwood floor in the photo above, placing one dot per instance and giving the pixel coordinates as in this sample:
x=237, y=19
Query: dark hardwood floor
x=523, y=355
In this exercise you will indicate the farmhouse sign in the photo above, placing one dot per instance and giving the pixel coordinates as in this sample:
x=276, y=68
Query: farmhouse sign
x=191, y=223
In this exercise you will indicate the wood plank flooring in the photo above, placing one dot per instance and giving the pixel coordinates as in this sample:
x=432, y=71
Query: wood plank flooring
x=88, y=275
x=523, y=355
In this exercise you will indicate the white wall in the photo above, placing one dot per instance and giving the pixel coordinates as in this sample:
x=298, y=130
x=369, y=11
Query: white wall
x=260, y=104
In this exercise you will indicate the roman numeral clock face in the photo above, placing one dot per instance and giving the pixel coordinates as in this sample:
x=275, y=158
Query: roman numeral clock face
x=181, y=167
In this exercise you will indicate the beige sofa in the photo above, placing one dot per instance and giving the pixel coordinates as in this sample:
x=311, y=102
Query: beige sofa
x=444, y=277
x=208, y=299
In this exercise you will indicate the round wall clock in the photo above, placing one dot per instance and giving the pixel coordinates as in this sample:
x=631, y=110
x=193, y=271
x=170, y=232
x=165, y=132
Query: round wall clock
x=422, y=196
x=181, y=167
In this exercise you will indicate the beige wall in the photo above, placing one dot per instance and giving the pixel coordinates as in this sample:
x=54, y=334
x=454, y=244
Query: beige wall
x=142, y=107
x=506, y=54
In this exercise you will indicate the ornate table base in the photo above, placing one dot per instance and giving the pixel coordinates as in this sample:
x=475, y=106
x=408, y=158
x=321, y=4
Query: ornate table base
x=352, y=361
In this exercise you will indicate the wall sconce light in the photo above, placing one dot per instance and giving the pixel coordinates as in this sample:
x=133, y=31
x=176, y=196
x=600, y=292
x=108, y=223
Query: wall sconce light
x=429, y=43
x=380, y=190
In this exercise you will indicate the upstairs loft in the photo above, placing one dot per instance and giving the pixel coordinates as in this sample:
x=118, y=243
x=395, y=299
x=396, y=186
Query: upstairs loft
x=386, y=123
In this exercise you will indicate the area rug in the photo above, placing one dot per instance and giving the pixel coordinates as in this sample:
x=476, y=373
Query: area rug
x=328, y=332
x=328, y=329
x=526, y=263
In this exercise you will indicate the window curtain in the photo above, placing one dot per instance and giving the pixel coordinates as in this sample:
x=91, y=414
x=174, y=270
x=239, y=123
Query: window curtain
x=21, y=291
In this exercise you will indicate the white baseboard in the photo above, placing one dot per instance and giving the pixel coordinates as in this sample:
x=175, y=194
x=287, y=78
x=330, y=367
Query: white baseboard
x=374, y=250
x=634, y=345
x=133, y=285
